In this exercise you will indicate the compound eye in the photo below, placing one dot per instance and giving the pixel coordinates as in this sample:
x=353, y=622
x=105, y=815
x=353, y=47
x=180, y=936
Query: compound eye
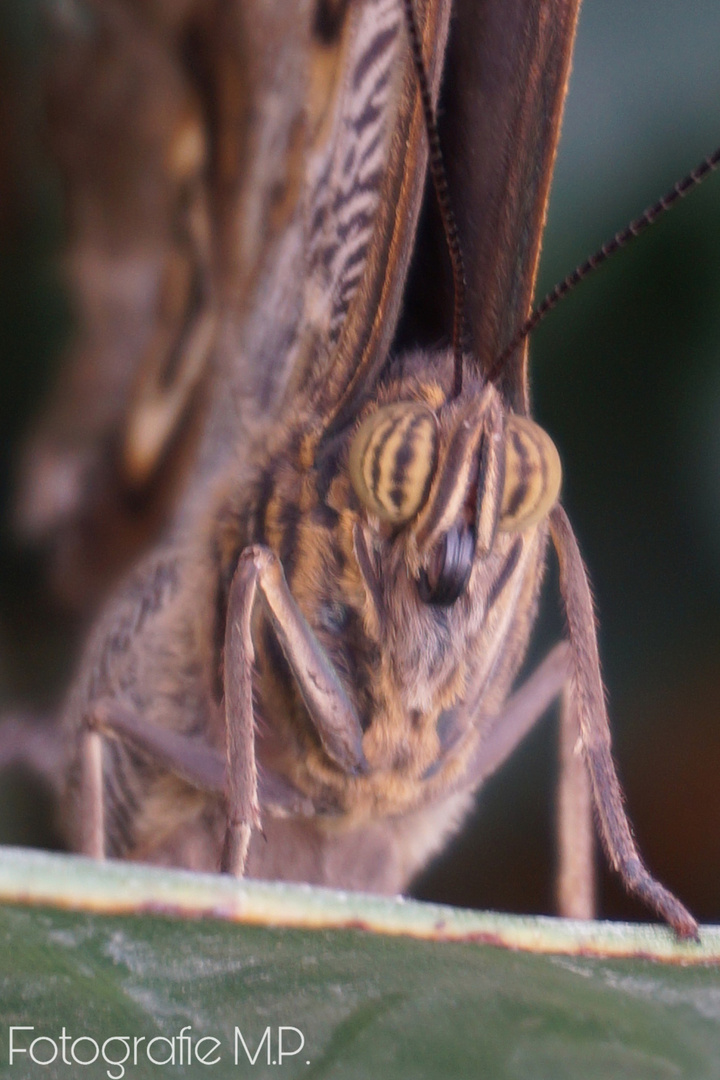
x=533, y=475
x=449, y=571
x=393, y=457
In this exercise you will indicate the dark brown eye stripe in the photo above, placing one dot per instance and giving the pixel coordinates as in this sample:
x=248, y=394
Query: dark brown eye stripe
x=376, y=471
x=406, y=455
x=520, y=490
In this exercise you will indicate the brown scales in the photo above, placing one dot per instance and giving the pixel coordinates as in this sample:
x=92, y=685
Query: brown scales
x=287, y=662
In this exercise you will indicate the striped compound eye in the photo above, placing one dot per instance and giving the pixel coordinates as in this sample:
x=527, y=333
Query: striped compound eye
x=533, y=474
x=393, y=457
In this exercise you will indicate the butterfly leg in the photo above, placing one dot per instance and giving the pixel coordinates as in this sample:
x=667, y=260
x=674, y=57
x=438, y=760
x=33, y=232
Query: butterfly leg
x=233, y=775
x=576, y=869
x=92, y=798
x=259, y=572
x=522, y=711
x=575, y=885
x=189, y=758
x=587, y=703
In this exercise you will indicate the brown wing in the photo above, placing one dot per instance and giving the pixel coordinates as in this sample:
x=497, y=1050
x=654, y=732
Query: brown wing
x=243, y=184
x=125, y=130
x=365, y=173
x=179, y=134
x=507, y=71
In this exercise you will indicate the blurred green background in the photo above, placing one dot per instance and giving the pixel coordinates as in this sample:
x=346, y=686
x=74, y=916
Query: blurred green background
x=626, y=377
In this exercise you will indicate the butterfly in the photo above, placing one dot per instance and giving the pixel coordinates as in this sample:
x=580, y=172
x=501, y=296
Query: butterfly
x=105, y=459
x=325, y=644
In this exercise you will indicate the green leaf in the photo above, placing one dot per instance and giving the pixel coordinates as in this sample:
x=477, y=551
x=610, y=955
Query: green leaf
x=378, y=988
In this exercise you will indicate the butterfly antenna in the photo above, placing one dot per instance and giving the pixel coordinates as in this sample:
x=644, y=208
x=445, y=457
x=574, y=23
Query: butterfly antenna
x=442, y=195
x=620, y=240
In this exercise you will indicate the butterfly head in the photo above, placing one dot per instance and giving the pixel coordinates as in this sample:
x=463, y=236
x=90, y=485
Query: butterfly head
x=445, y=475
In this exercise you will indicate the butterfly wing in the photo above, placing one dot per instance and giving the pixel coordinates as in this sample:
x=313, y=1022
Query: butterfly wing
x=177, y=132
x=123, y=126
x=364, y=172
x=507, y=72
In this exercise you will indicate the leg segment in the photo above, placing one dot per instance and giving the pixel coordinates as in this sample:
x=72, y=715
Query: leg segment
x=189, y=758
x=243, y=810
x=329, y=706
x=575, y=826
x=522, y=711
x=587, y=703
x=92, y=803
x=576, y=869
x=234, y=774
